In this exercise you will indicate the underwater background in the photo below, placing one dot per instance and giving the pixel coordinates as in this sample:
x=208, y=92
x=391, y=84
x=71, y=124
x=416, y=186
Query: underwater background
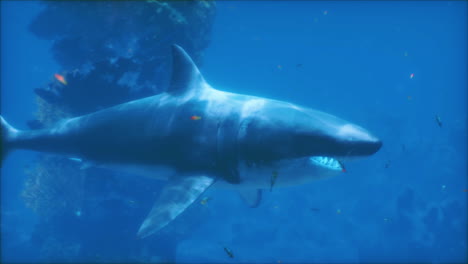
x=397, y=68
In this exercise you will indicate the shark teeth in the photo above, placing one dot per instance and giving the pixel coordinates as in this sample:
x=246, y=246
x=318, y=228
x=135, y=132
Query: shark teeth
x=328, y=162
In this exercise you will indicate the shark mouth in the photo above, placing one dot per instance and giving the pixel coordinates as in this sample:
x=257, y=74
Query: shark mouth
x=328, y=163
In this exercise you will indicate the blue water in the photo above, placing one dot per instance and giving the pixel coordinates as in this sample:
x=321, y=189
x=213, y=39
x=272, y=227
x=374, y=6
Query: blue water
x=391, y=67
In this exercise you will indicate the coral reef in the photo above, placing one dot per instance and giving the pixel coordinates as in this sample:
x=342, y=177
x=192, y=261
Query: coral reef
x=110, y=52
x=107, y=84
x=91, y=31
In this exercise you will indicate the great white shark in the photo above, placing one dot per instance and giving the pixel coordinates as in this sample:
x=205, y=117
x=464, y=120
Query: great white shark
x=195, y=136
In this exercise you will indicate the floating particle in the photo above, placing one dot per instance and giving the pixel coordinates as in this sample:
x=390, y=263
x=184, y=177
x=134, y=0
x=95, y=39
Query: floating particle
x=315, y=19
x=279, y=261
x=75, y=159
x=409, y=97
x=60, y=78
x=131, y=203
x=205, y=200
x=313, y=209
x=438, y=120
x=195, y=117
x=443, y=187
x=387, y=164
x=325, y=12
x=228, y=252
x=411, y=76
x=78, y=213
x=386, y=219
x=256, y=38
x=406, y=54
x=280, y=67
x=299, y=65
x=465, y=190
x=338, y=211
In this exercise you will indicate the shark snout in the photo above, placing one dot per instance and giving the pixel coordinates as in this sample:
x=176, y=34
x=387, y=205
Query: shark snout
x=359, y=141
x=369, y=147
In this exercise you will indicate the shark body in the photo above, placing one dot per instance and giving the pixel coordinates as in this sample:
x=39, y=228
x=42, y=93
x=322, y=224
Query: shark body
x=195, y=136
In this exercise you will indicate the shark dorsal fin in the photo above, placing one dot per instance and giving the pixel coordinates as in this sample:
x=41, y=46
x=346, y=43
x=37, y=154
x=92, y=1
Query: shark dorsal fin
x=185, y=74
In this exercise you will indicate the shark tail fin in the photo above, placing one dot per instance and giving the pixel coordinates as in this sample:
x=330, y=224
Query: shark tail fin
x=6, y=138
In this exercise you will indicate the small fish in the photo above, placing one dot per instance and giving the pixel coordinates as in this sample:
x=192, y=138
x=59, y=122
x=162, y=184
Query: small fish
x=438, y=120
x=194, y=117
x=387, y=164
x=313, y=209
x=60, y=78
x=229, y=252
x=343, y=169
x=75, y=159
x=299, y=65
x=274, y=175
x=205, y=200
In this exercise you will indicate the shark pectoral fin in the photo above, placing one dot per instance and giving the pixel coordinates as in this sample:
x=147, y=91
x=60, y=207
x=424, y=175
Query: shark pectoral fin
x=252, y=197
x=176, y=196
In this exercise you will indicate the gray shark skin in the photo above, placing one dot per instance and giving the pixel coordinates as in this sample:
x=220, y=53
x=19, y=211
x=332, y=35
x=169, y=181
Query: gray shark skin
x=195, y=136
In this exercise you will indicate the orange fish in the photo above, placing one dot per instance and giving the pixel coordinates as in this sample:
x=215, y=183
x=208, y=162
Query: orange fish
x=195, y=117
x=60, y=78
